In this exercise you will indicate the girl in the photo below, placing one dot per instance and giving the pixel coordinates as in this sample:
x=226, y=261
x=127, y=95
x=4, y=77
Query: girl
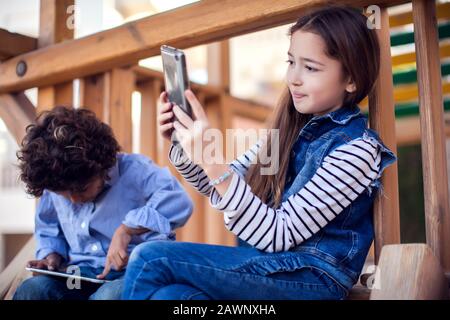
x=308, y=226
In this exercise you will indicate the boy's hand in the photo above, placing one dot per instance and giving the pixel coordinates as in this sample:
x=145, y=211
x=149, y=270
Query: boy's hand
x=117, y=256
x=51, y=262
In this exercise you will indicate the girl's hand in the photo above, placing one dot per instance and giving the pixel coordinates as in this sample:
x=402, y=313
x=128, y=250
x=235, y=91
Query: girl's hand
x=165, y=116
x=190, y=133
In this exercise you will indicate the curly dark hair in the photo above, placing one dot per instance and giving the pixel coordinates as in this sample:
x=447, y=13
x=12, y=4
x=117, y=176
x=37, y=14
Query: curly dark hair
x=65, y=150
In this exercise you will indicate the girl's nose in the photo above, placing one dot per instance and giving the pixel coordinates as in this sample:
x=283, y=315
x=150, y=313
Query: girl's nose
x=295, y=79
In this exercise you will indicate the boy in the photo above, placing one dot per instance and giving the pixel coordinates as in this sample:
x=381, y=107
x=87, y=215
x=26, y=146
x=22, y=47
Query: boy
x=96, y=204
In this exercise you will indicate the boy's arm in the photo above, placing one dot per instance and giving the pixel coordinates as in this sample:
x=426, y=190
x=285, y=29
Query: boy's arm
x=48, y=232
x=168, y=205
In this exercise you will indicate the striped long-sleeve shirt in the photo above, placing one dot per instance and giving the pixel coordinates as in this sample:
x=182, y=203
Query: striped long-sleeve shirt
x=343, y=175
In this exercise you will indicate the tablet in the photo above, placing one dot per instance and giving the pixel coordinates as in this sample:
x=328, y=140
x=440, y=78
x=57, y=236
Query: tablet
x=66, y=275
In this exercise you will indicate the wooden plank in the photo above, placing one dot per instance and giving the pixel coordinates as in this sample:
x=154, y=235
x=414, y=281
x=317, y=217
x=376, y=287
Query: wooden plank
x=53, y=18
x=409, y=272
x=247, y=109
x=108, y=95
x=382, y=119
x=17, y=112
x=219, y=65
x=437, y=208
x=150, y=91
x=15, y=272
x=202, y=22
x=53, y=28
x=14, y=44
x=122, y=88
x=95, y=95
x=144, y=74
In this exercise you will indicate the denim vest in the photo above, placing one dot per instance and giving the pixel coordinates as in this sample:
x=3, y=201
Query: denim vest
x=341, y=247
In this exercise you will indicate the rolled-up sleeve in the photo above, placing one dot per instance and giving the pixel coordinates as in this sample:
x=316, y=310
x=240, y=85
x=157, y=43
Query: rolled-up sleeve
x=167, y=207
x=48, y=232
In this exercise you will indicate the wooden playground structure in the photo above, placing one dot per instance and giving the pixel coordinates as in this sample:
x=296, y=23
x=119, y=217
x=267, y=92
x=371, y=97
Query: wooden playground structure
x=106, y=65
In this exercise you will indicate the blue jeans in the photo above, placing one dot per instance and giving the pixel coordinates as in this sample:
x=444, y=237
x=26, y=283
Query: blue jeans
x=167, y=270
x=44, y=287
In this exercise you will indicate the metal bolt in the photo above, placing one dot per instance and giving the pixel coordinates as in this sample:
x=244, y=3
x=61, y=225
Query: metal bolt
x=21, y=68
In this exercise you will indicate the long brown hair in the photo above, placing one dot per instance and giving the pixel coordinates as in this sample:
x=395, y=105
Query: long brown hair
x=348, y=40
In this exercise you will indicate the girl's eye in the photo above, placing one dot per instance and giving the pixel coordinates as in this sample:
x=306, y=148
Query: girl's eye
x=290, y=62
x=311, y=68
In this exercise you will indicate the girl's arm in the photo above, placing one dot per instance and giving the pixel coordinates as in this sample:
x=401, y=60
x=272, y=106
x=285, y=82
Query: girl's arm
x=197, y=177
x=344, y=174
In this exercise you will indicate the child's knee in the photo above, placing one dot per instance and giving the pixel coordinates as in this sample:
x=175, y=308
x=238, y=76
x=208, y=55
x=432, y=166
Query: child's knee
x=148, y=251
x=36, y=288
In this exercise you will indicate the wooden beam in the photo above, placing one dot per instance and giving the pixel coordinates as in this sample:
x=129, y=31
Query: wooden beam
x=144, y=74
x=14, y=44
x=199, y=23
x=434, y=162
x=247, y=109
x=17, y=112
x=53, y=22
x=53, y=28
x=382, y=120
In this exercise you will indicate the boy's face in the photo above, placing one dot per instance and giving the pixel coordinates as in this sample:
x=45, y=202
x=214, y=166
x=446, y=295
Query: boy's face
x=91, y=191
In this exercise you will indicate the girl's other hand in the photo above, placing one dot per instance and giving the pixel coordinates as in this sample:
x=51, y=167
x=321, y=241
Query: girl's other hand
x=165, y=116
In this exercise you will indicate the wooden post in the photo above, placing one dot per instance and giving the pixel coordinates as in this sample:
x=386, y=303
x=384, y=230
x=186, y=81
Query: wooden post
x=122, y=88
x=437, y=209
x=382, y=119
x=95, y=94
x=219, y=64
x=219, y=116
x=109, y=96
x=150, y=91
x=215, y=230
x=53, y=28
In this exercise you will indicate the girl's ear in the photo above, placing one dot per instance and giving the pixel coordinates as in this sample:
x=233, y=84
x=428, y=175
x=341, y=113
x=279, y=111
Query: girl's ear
x=351, y=87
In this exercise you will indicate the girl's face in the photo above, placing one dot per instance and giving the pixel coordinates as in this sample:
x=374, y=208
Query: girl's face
x=315, y=81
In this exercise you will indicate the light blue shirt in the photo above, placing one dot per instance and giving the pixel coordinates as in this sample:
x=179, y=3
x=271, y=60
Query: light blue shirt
x=138, y=194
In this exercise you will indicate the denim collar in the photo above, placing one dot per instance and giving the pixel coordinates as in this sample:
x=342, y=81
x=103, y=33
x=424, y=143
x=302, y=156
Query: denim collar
x=340, y=116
